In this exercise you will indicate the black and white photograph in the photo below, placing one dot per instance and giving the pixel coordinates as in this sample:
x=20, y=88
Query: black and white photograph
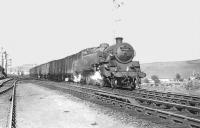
x=99, y=63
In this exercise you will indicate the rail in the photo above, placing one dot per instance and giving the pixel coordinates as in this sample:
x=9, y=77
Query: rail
x=182, y=115
x=125, y=102
x=12, y=114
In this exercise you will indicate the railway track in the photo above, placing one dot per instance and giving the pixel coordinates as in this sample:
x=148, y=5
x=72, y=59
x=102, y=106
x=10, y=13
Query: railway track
x=12, y=114
x=170, y=97
x=174, y=114
x=7, y=91
x=4, y=81
x=6, y=86
x=178, y=99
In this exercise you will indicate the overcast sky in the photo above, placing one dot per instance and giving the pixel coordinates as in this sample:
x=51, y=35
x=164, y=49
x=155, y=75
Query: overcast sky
x=37, y=31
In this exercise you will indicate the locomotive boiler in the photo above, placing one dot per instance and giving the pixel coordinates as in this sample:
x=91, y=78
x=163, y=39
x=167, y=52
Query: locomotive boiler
x=114, y=65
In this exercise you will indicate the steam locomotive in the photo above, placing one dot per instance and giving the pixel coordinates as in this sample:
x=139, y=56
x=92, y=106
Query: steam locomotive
x=104, y=65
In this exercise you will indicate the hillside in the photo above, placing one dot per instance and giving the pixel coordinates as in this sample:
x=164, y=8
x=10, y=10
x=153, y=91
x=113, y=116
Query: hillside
x=169, y=69
x=162, y=69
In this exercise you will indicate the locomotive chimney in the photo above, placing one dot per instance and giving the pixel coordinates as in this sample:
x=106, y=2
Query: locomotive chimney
x=119, y=40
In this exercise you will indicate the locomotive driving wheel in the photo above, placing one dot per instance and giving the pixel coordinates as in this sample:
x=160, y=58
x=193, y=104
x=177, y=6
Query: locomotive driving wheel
x=113, y=83
x=133, y=84
x=104, y=82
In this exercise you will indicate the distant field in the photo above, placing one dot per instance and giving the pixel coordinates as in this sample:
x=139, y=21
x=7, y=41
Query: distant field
x=169, y=69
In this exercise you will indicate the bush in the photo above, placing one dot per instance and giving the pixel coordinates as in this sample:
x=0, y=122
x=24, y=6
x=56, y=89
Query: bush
x=155, y=79
x=178, y=77
x=192, y=85
x=146, y=80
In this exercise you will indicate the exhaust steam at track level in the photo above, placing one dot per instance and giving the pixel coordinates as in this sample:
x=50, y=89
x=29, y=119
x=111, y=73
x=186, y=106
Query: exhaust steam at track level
x=97, y=78
x=77, y=78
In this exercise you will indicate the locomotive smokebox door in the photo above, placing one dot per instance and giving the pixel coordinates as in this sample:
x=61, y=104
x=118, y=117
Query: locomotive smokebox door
x=124, y=53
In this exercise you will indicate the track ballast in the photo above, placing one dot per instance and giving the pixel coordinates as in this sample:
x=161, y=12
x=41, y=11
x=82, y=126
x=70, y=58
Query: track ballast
x=164, y=112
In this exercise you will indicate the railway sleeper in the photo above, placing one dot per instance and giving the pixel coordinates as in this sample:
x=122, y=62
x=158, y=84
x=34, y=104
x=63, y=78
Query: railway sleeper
x=170, y=95
x=129, y=107
x=193, y=123
x=165, y=118
x=194, y=103
x=184, y=102
x=169, y=98
x=186, y=97
x=113, y=102
x=139, y=110
x=123, y=102
x=196, y=99
x=193, y=110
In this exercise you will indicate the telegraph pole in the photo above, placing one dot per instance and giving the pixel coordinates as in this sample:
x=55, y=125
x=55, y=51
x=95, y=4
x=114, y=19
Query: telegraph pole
x=9, y=65
x=6, y=63
x=2, y=59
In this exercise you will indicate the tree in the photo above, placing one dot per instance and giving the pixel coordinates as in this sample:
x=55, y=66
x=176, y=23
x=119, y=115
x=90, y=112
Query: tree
x=155, y=79
x=178, y=77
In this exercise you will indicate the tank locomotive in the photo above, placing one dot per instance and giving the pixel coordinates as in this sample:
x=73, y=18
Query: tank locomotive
x=114, y=65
